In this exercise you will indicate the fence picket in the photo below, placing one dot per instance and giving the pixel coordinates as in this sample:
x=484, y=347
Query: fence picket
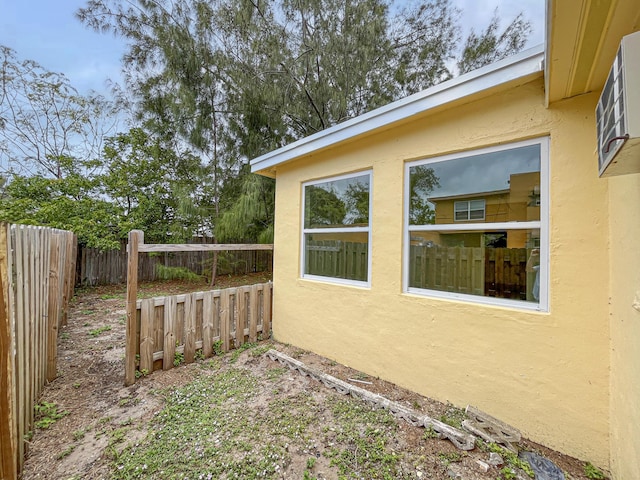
x=266, y=310
x=207, y=324
x=147, y=320
x=189, y=322
x=31, y=258
x=225, y=319
x=53, y=308
x=170, y=314
x=241, y=320
x=253, y=314
x=8, y=421
x=189, y=328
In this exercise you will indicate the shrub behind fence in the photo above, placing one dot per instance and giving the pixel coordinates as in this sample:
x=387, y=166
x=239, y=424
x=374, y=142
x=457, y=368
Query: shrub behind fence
x=96, y=267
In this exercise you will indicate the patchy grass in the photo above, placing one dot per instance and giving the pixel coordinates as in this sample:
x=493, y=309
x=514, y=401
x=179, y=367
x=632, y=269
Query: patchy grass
x=363, y=441
x=47, y=414
x=96, y=332
x=214, y=428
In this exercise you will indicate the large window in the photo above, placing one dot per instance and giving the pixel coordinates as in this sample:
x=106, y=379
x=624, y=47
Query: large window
x=336, y=229
x=476, y=226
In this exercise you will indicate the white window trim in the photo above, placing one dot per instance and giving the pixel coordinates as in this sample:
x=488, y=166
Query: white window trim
x=543, y=225
x=354, y=229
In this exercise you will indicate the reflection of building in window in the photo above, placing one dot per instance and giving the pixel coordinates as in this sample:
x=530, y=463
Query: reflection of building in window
x=468, y=210
x=519, y=203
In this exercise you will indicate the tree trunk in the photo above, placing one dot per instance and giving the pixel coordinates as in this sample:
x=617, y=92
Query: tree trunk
x=214, y=269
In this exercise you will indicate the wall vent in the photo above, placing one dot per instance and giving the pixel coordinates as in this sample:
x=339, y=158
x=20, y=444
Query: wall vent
x=618, y=112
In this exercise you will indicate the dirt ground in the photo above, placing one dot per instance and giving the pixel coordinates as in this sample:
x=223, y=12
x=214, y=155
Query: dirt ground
x=90, y=389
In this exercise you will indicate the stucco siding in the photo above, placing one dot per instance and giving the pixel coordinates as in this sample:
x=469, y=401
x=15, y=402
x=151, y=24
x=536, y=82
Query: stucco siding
x=624, y=211
x=545, y=373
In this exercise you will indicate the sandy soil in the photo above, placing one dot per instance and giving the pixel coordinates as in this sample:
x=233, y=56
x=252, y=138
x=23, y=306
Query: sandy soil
x=90, y=388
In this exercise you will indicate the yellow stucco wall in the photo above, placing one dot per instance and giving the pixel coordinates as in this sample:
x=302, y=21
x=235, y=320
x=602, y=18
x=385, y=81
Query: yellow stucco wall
x=624, y=212
x=545, y=373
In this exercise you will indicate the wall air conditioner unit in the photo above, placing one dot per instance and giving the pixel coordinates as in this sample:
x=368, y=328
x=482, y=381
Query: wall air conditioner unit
x=618, y=112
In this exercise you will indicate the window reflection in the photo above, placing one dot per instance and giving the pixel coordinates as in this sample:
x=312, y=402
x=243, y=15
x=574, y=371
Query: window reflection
x=338, y=255
x=492, y=264
x=497, y=187
x=337, y=203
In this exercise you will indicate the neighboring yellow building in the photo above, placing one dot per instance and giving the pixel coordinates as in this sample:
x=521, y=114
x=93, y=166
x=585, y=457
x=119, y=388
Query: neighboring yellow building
x=552, y=347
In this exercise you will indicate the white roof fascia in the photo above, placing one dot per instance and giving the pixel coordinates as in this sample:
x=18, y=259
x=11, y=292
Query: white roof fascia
x=523, y=64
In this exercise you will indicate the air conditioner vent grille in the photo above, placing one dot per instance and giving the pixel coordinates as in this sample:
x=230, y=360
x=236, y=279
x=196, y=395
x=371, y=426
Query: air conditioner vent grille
x=611, y=114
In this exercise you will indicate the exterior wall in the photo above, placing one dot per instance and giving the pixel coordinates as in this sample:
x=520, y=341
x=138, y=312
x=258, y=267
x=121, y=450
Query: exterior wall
x=545, y=373
x=624, y=212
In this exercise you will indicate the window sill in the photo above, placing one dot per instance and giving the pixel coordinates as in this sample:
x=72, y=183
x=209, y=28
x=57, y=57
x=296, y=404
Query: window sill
x=518, y=305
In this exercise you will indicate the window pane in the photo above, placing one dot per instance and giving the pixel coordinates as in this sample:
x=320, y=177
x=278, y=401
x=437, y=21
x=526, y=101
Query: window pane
x=337, y=203
x=337, y=255
x=503, y=264
x=501, y=186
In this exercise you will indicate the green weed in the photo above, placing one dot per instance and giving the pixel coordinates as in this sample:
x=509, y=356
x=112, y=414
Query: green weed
x=593, y=473
x=47, y=414
x=178, y=359
x=65, y=452
x=510, y=458
x=238, y=351
x=217, y=348
x=98, y=331
x=453, y=416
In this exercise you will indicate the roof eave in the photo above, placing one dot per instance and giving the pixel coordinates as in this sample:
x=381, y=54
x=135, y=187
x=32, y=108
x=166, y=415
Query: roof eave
x=520, y=66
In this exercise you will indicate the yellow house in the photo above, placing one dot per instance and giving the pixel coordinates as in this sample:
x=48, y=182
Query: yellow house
x=553, y=349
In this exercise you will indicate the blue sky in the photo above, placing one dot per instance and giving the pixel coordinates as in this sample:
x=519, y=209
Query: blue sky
x=46, y=31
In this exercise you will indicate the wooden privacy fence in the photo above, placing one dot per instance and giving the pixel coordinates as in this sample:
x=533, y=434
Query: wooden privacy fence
x=178, y=329
x=337, y=258
x=233, y=312
x=37, y=269
x=109, y=267
x=494, y=272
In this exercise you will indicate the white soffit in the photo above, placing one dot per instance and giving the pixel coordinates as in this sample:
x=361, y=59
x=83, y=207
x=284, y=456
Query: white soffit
x=525, y=63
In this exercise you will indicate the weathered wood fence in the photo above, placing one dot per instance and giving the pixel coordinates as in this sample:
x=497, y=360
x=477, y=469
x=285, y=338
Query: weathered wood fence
x=109, y=267
x=176, y=325
x=37, y=269
x=337, y=258
x=178, y=329
x=495, y=272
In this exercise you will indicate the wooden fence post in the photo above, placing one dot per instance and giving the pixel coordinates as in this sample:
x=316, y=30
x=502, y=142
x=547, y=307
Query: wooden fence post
x=54, y=306
x=136, y=237
x=8, y=425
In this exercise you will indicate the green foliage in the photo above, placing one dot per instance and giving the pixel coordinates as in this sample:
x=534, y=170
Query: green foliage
x=47, y=414
x=178, y=359
x=217, y=348
x=592, y=472
x=66, y=452
x=323, y=207
x=368, y=432
x=512, y=460
x=492, y=45
x=70, y=203
x=422, y=181
x=100, y=330
x=430, y=433
x=453, y=416
x=233, y=80
x=235, y=354
x=450, y=457
x=176, y=273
